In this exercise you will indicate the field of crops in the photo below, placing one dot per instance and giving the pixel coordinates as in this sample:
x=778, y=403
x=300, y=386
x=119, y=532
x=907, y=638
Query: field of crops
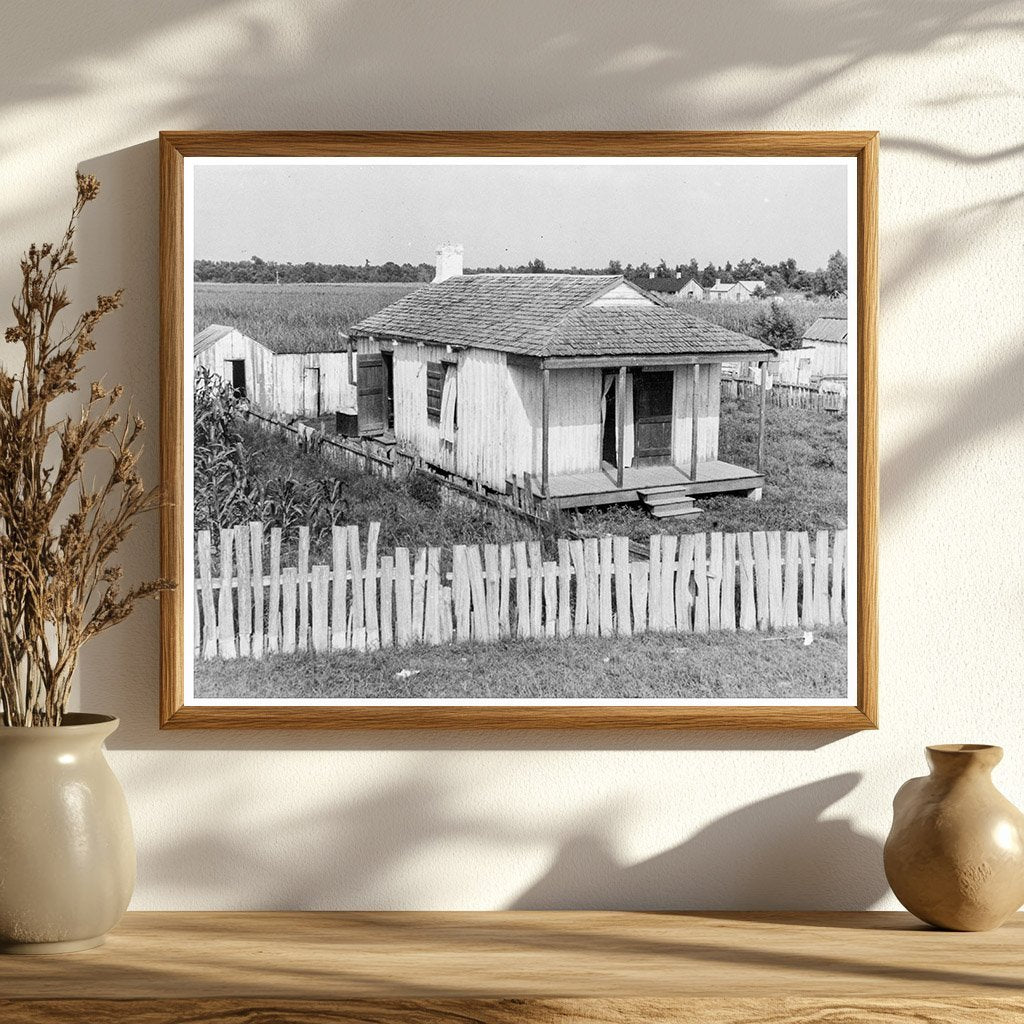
x=312, y=311
x=739, y=316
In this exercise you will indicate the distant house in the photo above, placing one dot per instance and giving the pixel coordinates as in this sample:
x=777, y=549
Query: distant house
x=668, y=286
x=673, y=287
x=828, y=335
x=279, y=376
x=737, y=291
x=589, y=385
x=692, y=290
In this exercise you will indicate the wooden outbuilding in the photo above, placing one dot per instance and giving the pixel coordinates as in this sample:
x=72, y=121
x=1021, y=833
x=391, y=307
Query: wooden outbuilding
x=594, y=389
x=735, y=291
x=674, y=288
x=277, y=375
x=829, y=336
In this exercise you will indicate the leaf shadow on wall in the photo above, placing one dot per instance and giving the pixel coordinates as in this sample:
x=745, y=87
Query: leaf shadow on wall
x=403, y=843
x=778, y=853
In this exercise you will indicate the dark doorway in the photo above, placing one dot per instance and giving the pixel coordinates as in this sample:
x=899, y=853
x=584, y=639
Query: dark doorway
x=236, y=368
x=389, y=389
x=370, y=393
x=609, y=438
x=652, y=410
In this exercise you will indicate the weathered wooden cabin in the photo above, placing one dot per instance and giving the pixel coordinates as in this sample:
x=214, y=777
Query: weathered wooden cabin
x=277, y=375
x=735, y=291
x=829, y=337
x=596, y=389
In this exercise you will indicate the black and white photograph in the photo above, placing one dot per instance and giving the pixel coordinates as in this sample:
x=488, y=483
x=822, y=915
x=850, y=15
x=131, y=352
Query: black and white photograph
x=513, y=431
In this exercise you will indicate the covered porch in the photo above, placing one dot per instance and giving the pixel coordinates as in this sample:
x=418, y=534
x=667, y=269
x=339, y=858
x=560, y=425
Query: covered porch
x=623, y=477
x=574, y=490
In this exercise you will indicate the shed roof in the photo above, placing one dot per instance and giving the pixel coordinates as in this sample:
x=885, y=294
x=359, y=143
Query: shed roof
x=209, y=336
x=828, y=328
x=284, y=340
x=548, y=315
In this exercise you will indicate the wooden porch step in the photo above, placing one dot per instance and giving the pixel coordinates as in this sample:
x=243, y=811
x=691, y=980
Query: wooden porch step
x=679, y=510
x=657, y=489
x=652, y=498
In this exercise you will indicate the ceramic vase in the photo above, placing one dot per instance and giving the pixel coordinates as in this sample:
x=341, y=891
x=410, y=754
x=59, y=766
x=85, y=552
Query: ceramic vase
x=67, y=855
x=955, y=855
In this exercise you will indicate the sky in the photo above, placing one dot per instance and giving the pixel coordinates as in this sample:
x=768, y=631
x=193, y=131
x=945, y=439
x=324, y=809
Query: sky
x=579, y=214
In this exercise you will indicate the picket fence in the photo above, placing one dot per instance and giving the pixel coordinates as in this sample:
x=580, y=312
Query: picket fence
x=788, y=396
x=366, y=601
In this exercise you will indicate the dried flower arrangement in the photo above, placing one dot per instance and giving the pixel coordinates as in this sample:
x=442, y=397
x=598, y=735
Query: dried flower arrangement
x=58, y=532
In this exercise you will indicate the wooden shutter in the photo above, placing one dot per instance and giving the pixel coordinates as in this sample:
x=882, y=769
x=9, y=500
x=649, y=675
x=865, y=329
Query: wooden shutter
x=435, y=391
x=370, y=394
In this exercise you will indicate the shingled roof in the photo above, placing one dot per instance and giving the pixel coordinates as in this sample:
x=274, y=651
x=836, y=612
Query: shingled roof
x=828, y=328
x=641, y=330
x=548, y=315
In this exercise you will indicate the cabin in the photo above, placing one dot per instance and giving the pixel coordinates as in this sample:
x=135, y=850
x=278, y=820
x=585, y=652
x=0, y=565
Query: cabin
x=279, y=376
x=663, y=286
x=594, y=389
x=674, y=288
x=828, y=335
x=737, y=291
x=692, y=291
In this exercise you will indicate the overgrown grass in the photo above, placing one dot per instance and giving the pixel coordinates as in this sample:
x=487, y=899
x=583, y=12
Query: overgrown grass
x=687, y=666
x=412, y=512
x=805, y=478
x=739, y=316
x=314, y=312
x=805, y=489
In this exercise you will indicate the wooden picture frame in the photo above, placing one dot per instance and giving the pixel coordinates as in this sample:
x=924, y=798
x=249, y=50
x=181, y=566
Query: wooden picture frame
x=176, y=147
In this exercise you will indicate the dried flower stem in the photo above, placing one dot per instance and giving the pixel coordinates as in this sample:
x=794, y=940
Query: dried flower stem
x=58, y=588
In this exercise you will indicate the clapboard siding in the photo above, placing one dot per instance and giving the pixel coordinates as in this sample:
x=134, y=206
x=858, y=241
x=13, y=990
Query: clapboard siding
x=336, y=394
x=410, y=385
x=708, y=399
x=575, y=421
x=482, y=441
x=830, y=359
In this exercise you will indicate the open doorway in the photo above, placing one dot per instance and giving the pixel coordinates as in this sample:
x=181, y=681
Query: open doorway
x=235, y=373
x=609, y=436
x=388, y=358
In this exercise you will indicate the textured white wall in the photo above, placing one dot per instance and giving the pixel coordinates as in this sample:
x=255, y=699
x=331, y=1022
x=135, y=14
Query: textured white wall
x=481, y=821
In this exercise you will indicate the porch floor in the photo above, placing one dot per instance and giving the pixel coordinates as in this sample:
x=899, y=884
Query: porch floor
x=571, y=490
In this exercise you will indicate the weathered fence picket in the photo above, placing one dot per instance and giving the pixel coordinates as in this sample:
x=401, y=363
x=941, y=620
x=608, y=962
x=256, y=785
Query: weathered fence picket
x=364, y=600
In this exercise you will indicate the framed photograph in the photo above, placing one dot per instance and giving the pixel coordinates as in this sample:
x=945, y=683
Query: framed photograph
x=519, y=430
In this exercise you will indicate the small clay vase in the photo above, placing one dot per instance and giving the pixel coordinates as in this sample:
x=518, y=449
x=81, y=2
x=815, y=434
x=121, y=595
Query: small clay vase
x=955, y=854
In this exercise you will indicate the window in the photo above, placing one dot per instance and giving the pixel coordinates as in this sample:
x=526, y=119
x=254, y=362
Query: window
x=435, y=391
x=449, y=404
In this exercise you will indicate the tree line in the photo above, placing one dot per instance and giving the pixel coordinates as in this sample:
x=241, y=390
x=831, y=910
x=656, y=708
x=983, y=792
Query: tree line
x=776, y=278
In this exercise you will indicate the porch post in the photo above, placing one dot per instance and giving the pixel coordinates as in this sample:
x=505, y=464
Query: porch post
x=693, y=422
x=761, y=417
x=545, y=430
x=620, y=427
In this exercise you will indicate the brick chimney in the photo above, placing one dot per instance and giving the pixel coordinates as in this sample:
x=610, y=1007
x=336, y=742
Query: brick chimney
x=449, y=262
x=718, y=281
x=650, y=274
x=679, y=275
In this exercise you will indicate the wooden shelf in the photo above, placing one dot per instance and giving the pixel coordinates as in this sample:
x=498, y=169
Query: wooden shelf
x=416, y=968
